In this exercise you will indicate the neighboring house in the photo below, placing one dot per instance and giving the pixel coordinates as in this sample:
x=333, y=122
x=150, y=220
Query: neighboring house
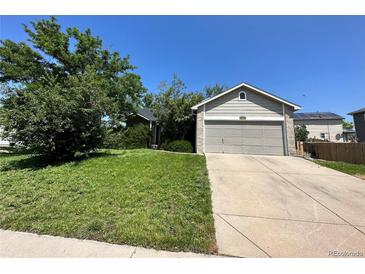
x=326, y=126
x=359, y=122
x=245, y=120
x=146, y=117
x=349, y=135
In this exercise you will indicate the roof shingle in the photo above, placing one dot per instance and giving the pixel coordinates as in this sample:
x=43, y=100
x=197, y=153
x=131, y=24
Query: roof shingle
x=316, y=116
x=147, y=114
x=357, y=111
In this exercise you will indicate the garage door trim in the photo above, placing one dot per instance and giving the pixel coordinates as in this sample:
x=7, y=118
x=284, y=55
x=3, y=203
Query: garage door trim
x=244, y=137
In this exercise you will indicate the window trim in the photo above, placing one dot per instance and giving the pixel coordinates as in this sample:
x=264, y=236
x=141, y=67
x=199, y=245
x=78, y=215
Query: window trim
x=325, y=137
x=239, y=96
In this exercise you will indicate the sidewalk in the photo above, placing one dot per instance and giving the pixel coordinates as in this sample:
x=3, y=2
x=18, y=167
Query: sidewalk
x=29, y=245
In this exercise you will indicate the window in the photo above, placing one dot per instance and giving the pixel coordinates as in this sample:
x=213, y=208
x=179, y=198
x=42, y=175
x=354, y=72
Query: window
x=242, y=95
x=324, y=136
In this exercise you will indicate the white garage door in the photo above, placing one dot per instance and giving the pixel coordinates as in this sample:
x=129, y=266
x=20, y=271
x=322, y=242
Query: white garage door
x=244, y=137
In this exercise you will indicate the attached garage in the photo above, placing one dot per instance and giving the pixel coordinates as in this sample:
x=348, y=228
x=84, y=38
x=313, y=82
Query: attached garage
x=265, y=138
x=245, y=120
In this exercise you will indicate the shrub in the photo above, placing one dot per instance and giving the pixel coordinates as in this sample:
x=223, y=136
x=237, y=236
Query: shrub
x=113, y=139
x=301, y=133
x=179, y=146
x=133, y=137
x=136, y=137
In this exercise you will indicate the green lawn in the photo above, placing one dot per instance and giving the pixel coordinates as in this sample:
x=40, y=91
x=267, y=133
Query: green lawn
x=352, y=169
x=137, y=197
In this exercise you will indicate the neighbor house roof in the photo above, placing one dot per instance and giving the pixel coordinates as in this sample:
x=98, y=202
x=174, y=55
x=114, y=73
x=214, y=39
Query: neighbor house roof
x=147, y=114
x=348, y=130
x=316, y=116
x=268, y=94
x=357, y=111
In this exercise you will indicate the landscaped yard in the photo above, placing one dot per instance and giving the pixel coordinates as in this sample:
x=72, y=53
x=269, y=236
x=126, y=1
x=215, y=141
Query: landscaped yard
x=137, y=197
x=352, y=169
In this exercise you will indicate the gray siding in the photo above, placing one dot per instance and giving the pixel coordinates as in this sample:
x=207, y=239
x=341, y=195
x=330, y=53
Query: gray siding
x=244, y=137
x=255, y=105
x=333, y=128
x=359, y=121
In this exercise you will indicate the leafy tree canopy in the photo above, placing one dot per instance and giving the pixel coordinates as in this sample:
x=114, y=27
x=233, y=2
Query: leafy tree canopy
x=58, y=86
x=347, y=125
x=214, y=90
x=301, y=133
x=148, y=100
x=172, y=106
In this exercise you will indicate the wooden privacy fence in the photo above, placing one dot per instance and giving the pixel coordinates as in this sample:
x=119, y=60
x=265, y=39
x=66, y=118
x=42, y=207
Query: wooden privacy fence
x=346, y=152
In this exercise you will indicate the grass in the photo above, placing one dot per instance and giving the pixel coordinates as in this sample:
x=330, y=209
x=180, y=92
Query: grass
x=138, y=197
x=352, y=169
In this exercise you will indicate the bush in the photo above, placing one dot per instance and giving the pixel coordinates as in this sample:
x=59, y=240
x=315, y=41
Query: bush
x=133, y=137
x=301, y=133
x=113, y=139
x=179, y=146
x=137, y=136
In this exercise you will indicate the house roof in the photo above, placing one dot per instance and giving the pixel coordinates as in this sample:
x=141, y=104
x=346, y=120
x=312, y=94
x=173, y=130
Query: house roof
x=357, y=111
x=348, y=130
x=243, y=84
x=316, y=116
x=147, y=114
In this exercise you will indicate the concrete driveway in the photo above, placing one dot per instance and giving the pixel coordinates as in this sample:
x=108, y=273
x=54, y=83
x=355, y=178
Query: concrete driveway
x=276, y=206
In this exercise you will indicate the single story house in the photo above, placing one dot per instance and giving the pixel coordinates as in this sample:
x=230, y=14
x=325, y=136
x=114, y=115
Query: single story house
x=245, y=120
x=146, y=117
x=359, y=122
x=326, y=126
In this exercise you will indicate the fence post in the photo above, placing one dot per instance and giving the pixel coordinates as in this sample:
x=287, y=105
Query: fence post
x=298, y=147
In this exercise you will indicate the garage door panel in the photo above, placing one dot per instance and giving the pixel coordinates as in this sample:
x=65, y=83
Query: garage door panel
x=232, y=149
x=273, y=150
x=252, y=133
x=244, y=137
x=233, y=141
x=273, y=142
x=253, y=150
x=214, y=148
x=213, y=139
x=226, y=133
x=252, y=141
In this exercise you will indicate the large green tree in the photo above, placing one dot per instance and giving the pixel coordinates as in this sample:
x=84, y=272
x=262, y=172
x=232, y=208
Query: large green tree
x=210, y=91
x=59, y=85
x=172, y=106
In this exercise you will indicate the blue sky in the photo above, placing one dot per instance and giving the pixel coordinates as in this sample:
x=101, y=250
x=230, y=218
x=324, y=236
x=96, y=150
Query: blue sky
x=315, y=61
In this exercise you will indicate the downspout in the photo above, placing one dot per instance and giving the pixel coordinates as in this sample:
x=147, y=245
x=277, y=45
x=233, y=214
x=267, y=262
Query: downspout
x=286, y=149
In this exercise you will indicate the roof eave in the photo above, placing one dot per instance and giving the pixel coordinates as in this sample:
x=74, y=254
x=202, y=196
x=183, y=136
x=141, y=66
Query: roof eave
x=309, y=119
x=295, y=106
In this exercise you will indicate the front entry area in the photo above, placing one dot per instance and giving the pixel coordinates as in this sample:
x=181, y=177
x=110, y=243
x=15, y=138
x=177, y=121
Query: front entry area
x=244, y=137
